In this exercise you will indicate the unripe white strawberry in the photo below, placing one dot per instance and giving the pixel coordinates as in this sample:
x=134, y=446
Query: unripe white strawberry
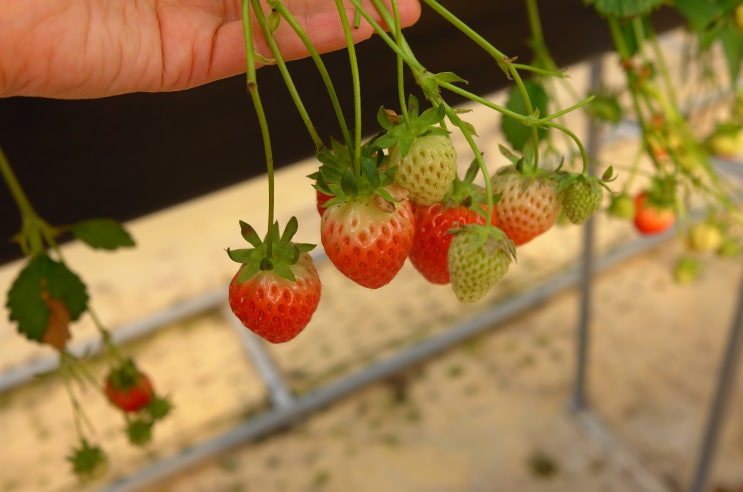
x=427, y=170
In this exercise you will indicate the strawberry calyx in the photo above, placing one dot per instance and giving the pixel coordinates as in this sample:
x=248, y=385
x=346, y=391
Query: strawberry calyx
x=465, y=193
x=126, y=376
x=88, y=461
x=402, y=130
x=275, y=252
x=336, y=178
x=488, y=237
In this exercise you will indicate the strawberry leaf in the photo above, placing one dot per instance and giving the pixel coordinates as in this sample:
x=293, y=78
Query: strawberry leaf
x=29, y=296
x=102, y=234
x=625, y=8
x=248, y=233
x=514, y=130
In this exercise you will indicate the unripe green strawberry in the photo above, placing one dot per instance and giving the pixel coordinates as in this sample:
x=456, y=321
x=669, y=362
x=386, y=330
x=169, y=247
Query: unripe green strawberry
x=622, y=206
x=687, y=270
x=427, y=170
x=479, y=256
x=580, y=200
x=704, y=236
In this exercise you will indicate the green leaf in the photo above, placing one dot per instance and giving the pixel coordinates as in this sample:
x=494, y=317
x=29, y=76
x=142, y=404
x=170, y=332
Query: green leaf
x=732, y=45
x=623, y=9
x=102, y=234
x=41, y=278
x=700, y=14
x=515, y=131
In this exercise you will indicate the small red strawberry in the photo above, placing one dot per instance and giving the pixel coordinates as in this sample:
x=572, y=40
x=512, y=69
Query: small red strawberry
x=368, y=238
x=428, y=168
x=128, y=388
x=652, y=217
x=276, y=290
x=528, y=205
x=479, y=256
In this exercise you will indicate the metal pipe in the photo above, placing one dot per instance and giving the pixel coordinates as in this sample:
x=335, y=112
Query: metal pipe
x=725, y=381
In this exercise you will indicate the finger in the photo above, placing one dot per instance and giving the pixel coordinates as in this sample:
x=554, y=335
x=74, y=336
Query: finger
x=322, y=25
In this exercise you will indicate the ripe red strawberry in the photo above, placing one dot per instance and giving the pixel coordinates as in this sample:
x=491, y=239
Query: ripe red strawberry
x=651, y=218
x=580, y=199
x=128, y=388
x=479, y=256
x=368, y=238
x=428, y=168
x=274, y=307
x=277, y=289
x=528, y=206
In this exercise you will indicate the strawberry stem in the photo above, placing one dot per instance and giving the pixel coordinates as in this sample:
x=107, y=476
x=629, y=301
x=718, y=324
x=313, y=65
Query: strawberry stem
x=321, y=68
x=34, y=230
x=397, y=29
x=288, y=81
x=351, y=48
x=252, y=84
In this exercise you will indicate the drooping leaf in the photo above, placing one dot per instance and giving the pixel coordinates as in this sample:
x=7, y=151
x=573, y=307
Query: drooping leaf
x=102, y=234
x=39, y=287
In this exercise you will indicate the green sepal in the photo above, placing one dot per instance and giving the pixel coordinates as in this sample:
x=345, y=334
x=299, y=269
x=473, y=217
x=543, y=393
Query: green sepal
x=284, y=253
x=43, y=276
x=402, y=130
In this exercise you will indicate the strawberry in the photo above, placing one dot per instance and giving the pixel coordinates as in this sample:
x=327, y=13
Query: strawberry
x=433, y=226
x=428, y=168
x=528, y=205
x=277, y=289
x=128, y=388
x=580, y=198
x=622, y=206
x=651, y=217
x=421, y=153
x=704, y=236
x=368, y=237
x=479, y=256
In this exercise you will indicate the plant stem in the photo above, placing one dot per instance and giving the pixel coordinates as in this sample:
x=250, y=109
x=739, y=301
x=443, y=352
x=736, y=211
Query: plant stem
x=252, y=85
x=350, y=47
x=397, y=29
x=288, y=81
x=321, y=68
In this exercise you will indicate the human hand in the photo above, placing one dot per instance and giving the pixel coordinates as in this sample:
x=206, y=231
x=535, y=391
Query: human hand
x=74, y=49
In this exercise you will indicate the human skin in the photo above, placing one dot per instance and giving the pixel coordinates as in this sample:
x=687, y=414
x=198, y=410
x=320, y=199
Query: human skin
x=75, y=49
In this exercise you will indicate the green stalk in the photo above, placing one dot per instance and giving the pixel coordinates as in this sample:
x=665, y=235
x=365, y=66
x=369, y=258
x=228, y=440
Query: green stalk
x=356, y=88
x=281, y=64
x=397, y=29
x=34, y=230
x=252, y=84
x=321, y=68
